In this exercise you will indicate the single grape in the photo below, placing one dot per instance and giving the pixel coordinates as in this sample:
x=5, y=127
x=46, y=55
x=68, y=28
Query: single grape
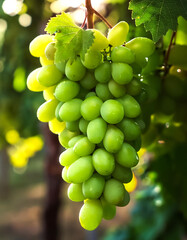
x=112, y=111
x=68, y=157
x=50, y=51
x=65, y=136
x=113, y=139
x=100, y=41
x=83, y=147
x=46, y=112
x=91, y=59
x=122, y=54
x=73, y=126
x=66, y=90
x=131, y=106
x=122, y=174
x=125, y=201
x=45, y=62
x=74, y=70
x=56, y=126
x=127, y=156
x=130, y=129
x=116, y=89
x=90, y=108
x=91, y=214
x=49, y=76
x=70, y=111
x=122, y=73
x=103, y=72
x=93, y=187
x=109, y=210
x=117, y=35
x=103, y=162
x=57, y=111
x=89, y=81
x=134, y=87
x=48, y=93
x=61, y=66
x=81, y=170
x=83, y=124
x=32, y=83
x=75, y=192
x=114, y=191
x=102, y=91
x=38, y=44
x=64, y=174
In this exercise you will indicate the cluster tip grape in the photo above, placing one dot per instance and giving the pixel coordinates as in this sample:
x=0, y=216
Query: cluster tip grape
x=90, y=102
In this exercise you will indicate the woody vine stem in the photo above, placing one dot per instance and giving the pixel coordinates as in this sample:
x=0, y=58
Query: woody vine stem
x=90, y=13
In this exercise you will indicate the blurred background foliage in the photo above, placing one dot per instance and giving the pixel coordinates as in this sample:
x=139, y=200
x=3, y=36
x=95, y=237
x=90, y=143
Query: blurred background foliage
x=160, y=209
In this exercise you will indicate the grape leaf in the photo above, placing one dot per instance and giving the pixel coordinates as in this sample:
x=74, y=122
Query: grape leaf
x=71, y=39
x=158, y=15
x=56, y=23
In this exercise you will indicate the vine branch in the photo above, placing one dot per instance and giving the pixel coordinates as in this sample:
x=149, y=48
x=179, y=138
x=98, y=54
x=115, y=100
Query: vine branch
x=90, y=12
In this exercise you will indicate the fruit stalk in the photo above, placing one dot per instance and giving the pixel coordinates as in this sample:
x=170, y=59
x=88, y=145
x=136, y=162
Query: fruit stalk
x=90, y=13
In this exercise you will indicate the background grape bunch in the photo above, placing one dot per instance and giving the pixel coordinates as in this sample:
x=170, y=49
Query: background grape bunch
x=93, y=102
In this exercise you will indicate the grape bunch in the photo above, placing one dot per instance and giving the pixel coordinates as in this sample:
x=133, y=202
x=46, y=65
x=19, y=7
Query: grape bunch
x=92, y=104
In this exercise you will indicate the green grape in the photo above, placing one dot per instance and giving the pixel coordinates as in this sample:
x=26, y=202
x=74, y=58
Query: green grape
x=93, y=187
x=38, y=44
x=100, y=41
x=83, y=124
x=181, y=31
x=116, y=89
x=91, y=59
x=48, y=93
x=56, y=126
x=74, y=70
x=117, y=35
x=66, y=90
x=81, y=170
x=90, y=108
x=73, y=140
x=96, y=130
x=109, y=210
x=127, y=156
x=32, y=83
x=88, y=82
x=114, y=191
x=46, y=111
x=122, y=54
x=112, y=111
x=82, y=93
x=61, y=66
x=131, y=106
x=137, y=143
x=50, y=51
x=103, y=162
x=122, y=73
x=64, y=174
x=141, y=46
x=49, y=76
x=44, y=61
x=130, y=129
x=103, y=72
x=75, y=192
x=83, y=147
x=90, y=94
x=102, y=91
x=70, y=111
x=91, y=214
x=125, y=201
x=122, y=174
x=65, y=136
x=113, y=139
x=57, y=111
x=68, y=157
x=73, y=126
x=134, y=87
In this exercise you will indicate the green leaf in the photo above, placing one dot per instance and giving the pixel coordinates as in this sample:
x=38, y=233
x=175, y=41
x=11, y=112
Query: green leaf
x=158, y=15
x=87, y=41
x=55, y=24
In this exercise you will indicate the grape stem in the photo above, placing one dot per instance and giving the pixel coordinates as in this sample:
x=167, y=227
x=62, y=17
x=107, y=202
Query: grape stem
x=90, y=12
x=168, y=52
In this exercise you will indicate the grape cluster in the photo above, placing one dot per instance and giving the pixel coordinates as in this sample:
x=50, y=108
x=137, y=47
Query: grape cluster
x=92, y=104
